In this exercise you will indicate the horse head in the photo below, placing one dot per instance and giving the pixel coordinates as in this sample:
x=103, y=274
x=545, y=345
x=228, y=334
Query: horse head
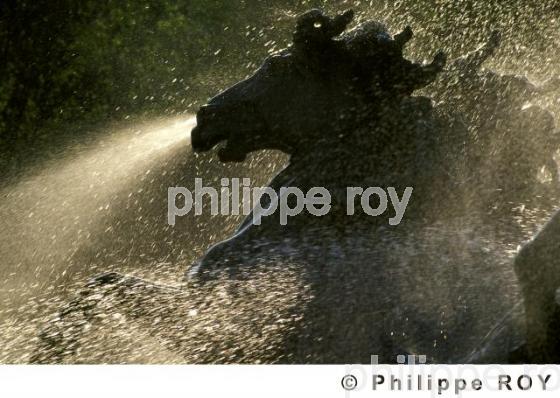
x=314, y=92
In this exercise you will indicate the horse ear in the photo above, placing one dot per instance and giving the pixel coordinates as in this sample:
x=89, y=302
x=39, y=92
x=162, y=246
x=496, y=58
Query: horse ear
x=404, y=37
x=341, y=22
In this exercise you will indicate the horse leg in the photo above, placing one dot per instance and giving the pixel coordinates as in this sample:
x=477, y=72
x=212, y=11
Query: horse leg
x=538, y=269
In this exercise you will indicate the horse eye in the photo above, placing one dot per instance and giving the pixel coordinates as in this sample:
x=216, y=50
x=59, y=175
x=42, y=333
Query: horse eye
x=317, y=24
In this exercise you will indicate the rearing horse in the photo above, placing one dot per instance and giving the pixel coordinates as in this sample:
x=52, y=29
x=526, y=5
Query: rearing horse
x=338, y=289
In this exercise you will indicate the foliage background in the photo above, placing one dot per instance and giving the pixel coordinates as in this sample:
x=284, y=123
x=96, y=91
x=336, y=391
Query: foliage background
x=73, y=63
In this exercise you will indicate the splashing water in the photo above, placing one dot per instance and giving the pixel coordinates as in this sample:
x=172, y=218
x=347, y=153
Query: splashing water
x=99, y=208
x=59, y=228
x=102, y=207
x=51, y=213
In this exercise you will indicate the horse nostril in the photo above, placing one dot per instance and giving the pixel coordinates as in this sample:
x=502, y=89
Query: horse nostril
x=207, y=133
x=208, y=111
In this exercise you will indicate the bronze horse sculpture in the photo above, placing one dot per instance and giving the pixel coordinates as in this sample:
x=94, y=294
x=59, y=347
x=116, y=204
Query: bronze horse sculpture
x=338, y=289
